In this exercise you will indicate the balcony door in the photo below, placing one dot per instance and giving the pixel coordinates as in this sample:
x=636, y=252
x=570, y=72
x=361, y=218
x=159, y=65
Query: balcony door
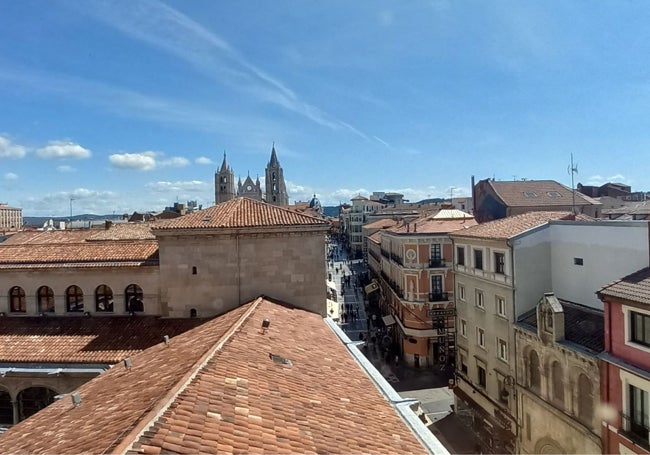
x=436, y=288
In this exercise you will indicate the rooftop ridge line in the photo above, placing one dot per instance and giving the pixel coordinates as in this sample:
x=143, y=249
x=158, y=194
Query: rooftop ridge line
x=158, y=410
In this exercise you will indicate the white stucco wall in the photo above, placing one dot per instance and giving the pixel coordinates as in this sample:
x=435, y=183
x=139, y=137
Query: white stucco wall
x=532, y=264
x=609, y=249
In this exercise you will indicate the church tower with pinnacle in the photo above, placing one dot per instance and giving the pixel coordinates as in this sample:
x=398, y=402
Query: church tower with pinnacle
x=224, y=183
x=276, y=190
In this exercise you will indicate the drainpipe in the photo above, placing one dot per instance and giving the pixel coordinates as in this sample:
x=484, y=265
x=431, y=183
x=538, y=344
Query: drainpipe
x=514, y=345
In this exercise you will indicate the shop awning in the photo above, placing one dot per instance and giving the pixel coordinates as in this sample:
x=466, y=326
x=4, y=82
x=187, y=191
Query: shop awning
x=388, y=320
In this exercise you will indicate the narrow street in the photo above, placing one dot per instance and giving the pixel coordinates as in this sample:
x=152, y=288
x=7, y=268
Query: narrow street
x=428, y=385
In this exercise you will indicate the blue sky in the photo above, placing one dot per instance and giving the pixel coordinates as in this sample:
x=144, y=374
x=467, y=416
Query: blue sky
x=129, y=105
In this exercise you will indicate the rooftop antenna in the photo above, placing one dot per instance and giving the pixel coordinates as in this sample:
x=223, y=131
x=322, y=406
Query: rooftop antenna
x=71, y=199
x=451, y=193
x=573, y=169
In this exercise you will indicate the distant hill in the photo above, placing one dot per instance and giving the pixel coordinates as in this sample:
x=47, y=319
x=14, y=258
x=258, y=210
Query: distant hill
x=332, y=211
x=39, y=221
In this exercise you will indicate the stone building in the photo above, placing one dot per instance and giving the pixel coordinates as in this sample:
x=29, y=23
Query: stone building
x=558, y=377
x=275, y=187
x=64, y=286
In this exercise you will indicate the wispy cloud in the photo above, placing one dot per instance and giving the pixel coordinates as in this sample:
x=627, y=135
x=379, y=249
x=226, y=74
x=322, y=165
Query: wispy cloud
x=10, y=150
x=10, y=176
x=192, y=186
x=165, y=28
x=63, y=150
x=203, y=160
x=381, y=141
x=64, y=169
x=598, y=180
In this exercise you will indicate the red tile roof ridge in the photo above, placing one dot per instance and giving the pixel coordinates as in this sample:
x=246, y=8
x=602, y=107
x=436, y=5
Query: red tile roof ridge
x=240, y=212
x=159, y=408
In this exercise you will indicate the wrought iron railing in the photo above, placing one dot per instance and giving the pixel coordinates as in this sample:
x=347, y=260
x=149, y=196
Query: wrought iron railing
x=438, y=296
x=635, y=431
x=438, y=262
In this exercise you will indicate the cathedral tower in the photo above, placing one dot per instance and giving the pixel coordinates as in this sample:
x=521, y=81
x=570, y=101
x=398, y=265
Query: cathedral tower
x=224, y=183
x=276, y=191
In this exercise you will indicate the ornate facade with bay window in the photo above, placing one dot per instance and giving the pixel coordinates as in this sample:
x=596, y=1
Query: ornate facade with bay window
x=626, y=364
x=413, y=266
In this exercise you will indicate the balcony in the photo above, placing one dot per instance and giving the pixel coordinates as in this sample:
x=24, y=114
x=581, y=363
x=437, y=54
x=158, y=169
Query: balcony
x=384, y=253
x=437, y=263
x=635, y=432
x=438, y=296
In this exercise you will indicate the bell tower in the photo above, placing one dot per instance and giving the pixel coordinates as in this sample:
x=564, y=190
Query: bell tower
x=276, y=190
x=224, y=183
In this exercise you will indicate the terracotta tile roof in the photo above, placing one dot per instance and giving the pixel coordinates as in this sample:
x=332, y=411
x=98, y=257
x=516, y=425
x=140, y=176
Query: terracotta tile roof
x=511, y=226
x=634, y=288
x=105, y=339
x=582, y=325
x=381, y=224
x=240, y=212
x=375, y=238
x=531, y=193
x=50, y=237
x=431, y=225
x=24, y=255
x=125, y=231
x=359, y=198
x=216, y=388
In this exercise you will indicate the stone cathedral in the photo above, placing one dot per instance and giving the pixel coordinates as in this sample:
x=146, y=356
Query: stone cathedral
x=276, y=190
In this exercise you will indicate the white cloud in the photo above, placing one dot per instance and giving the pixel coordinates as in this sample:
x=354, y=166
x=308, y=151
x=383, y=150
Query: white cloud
x=145, y=161
x=83, y=201
x=189, y=186
x=10, y=150
x=10, y=176
x=65, y=168
x=203, y=160
x=598, y=180
x=175, y=161
x=63, y=150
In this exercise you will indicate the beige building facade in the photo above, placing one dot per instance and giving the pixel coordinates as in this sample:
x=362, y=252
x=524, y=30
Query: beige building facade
x=11, y=218
x=558, y=378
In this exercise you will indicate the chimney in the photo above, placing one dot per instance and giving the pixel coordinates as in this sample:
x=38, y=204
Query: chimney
x=408, y=227
x=108, y=224
x=415, y=227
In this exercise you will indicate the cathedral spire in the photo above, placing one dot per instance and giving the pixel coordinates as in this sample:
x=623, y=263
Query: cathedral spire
x=274, y=157
x=224, y=165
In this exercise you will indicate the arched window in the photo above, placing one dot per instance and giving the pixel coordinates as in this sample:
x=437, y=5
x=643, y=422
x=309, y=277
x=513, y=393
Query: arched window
x=133, y=297
x=32, y=400
x=534, y=373
x=17, y=303
x=557, y=376
x=585, y=399
x=6, y=408
x=74, y=299
x=45, y=298
x=103, y=298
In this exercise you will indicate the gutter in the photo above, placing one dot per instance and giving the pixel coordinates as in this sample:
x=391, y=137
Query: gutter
x=402, y=405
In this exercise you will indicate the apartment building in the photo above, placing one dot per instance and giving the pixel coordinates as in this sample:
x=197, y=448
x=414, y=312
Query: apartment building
x=502, y=271
x=414, y=264
x=11, y=218
x=352, y=221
